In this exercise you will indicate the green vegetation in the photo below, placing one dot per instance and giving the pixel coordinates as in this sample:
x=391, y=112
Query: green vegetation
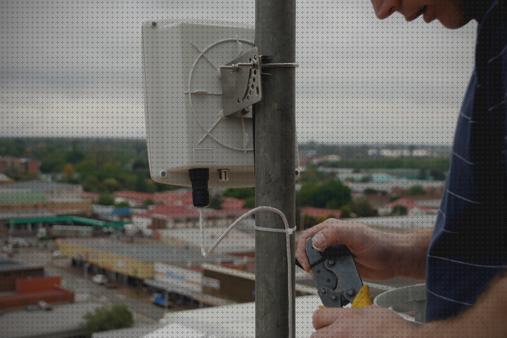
x=99, y=165
x=106, y=199
x=246, y=194
x=148, y=202
x=326, y=194
x=434, y=167
x=215, y=202
x=416, y=190
x=241, y=193
x=399, y=210
x=114, y=317
x=359, y=207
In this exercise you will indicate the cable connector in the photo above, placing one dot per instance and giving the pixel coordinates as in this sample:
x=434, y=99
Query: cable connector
x=200, y=194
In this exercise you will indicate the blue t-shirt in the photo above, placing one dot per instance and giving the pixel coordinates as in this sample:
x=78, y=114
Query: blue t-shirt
x=469, y=245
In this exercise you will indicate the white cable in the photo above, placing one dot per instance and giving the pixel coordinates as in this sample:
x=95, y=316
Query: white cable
x=288, y=232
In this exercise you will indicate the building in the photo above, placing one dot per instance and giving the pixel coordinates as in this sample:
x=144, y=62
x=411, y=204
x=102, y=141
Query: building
x=11, y=270
x=36, y=198
x=32, y=290
x=132, y=260
x=170, y=216
x=139, y=199
x=4, y=179
x=22, y=285
x=396, y=186
x=19, y=166
x=413, y=206
x=60, y=226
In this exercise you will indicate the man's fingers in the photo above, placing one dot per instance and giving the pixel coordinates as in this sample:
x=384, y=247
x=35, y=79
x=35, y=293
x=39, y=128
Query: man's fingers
x=377, y=4
x=325, y=316
x=328, y=332
x=384, y=8
x=337, y=233
x=301, y=243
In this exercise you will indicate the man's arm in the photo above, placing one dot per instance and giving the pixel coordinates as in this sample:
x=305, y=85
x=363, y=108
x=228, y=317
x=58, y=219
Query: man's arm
x=487, y=318
x=412, y=253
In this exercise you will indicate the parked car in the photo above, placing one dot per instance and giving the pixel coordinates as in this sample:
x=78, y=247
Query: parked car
x=41, y=305
x=160, y=300
x=100, y=279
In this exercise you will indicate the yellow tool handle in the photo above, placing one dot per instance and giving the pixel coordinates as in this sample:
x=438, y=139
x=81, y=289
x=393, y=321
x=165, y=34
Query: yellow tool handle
x=362, y=298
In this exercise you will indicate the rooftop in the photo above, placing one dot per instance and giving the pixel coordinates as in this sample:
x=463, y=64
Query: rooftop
x=236, y=240
x=148, y=250
x=236, y=321
x=190, y=212
x=14, y=197
x=40, y=186
x=230, y=321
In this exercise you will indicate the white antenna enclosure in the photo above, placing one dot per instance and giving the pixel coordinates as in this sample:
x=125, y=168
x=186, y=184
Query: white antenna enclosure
x=185, y=124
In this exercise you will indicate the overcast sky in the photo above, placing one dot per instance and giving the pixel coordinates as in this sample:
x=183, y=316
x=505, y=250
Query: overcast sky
x=73, y=68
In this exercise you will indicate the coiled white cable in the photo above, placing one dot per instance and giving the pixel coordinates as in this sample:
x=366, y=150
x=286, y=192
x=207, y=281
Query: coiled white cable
x=288, y=232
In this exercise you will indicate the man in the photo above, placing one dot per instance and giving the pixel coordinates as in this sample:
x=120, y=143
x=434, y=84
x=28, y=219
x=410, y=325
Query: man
x=464, y=258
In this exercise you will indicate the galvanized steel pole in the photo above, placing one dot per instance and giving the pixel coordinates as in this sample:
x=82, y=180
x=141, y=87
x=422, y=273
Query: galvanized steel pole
x=275, y=144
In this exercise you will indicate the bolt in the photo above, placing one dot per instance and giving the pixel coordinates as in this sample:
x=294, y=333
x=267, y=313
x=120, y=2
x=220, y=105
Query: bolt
x=333, y=297
x=323, y=291
x=330, y=262
x=153, y=24
x=163, y=173
x=351, y=293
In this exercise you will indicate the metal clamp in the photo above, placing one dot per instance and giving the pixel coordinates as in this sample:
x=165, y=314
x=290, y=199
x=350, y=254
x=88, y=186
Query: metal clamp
x=241, y=81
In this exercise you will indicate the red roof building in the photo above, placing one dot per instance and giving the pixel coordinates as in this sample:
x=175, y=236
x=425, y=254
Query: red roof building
x=415, y=206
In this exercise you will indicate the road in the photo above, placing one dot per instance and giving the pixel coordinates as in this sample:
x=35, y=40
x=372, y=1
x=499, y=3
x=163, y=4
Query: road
x=144, y=312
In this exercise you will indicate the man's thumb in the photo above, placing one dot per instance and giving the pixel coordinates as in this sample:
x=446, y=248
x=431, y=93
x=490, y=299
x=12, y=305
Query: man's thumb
x=319, y=241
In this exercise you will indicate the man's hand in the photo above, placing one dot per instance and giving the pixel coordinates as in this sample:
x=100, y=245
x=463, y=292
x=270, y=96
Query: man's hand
x=384, y=8
x=378, y=255
x=369, y=322
x=486, y=319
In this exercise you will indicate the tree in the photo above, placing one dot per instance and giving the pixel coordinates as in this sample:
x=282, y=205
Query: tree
x=106, y=199
x=416, y=190
x=250, y=202
x=74, y=157
x=111, y=184
x=399, y=210
x=122, y=205
x=330, y=195
x=370, y=191
x=115, y=317
x=241, y=193
x=215, y=202
x=362, y=208
x=69, y=171
x=148, y=202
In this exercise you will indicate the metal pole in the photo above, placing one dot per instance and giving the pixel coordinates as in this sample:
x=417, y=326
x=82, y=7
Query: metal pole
x=275, y=144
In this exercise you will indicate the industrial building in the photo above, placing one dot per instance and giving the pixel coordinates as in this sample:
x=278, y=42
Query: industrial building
x=131, y=261
x=60, y=226
x=22, y=285
x=39, y=198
